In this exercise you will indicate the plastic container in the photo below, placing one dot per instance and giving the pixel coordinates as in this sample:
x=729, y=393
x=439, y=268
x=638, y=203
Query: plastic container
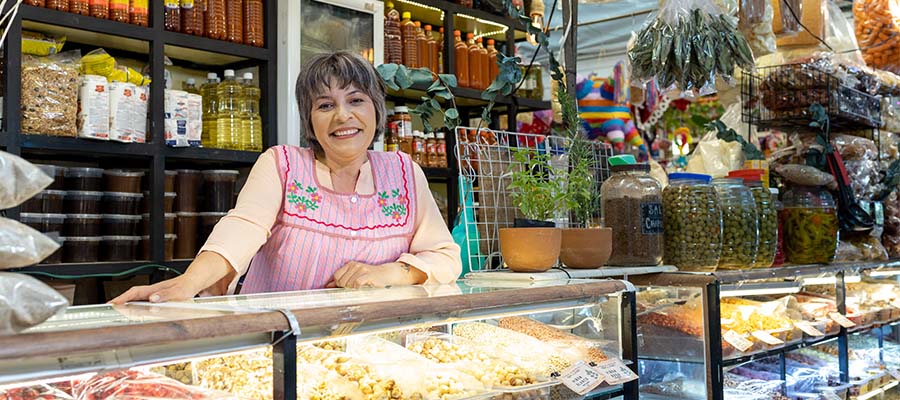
x=120, y=225
x=82, y=225
x=121, y=203
x=61, y=5
x=80, y=249
x=740, y=224
x=117, y=180
x=119, y=248
x=192, y=17
x=692, y=222
x=187, y=185
x=82, y=202
x=810, y=225
x=168, y=225
x=208, y=221
x=44, y=223
x=169, y=244
x=36, y=3
x=48, y=201
x=173, y=14
x=461, y=53
x=57, y=173
x=169, y=181
x=90, y=179
x=632, y=206
x=219, y=189
x=254, y=23
x=80, y=7
x=767, y=214
x=186, y=225
x=139, y=12
x=99, y=9
x=56, y=257
x=215, y=20
x=408, y=35
x=234, y=21
x=168, y=205
x=118, y=11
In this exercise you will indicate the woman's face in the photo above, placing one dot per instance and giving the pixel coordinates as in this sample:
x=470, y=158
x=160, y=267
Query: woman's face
x=344, y=121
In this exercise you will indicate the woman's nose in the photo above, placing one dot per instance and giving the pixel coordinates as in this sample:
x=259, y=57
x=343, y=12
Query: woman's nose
x=343, y=113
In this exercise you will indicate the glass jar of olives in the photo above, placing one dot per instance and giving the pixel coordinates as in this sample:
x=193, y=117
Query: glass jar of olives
x=692, y=222
x=740, y=226
x=767, y=216
x=810, y=225
x=632, y=208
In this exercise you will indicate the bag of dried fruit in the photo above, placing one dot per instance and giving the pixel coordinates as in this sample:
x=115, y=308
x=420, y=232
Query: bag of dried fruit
x=878, y=32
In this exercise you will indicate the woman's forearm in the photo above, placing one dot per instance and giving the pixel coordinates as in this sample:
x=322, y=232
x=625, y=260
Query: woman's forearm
x=207, y=269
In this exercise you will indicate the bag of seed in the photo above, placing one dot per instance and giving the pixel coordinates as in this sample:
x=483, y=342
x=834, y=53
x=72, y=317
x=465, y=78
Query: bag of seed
x=50, y=94
x=26, y=302
x=21, y=245
x=19, y=180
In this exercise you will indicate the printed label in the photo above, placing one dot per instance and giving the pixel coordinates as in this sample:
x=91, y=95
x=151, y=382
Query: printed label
x=841, y=320
x=581, y=378
x=767, y=338
x=895, y=373
x=739, y=342
x=651, y=218
x=808, y=329
x=615, y=372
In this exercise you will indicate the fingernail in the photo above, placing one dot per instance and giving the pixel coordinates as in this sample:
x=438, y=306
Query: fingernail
x=154, y=298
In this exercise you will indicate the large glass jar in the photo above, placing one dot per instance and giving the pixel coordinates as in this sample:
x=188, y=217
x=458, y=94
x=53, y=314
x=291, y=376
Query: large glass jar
x=779, y=206
x=810, y=225
x=692, y=222
x=740, y=226
x=766, y=213
x=632, y=208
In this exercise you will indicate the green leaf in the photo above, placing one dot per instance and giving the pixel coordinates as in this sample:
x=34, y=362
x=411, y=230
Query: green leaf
x=449, y=80
x=450, y=123
x=421, y=76
x=391, y=85
x=402, y=77
x=444, y=94
x=486, y=116
x=388, y=71
x=427, y=124
x=436, y=86
x=436, y=105
x=452, y=113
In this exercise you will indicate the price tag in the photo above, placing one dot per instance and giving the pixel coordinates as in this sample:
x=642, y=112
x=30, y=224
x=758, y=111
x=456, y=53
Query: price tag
x=808, y=329
x=767, y=338
x=895, y=373
x=94, y=360
x=841, y=320
x=739, y=342
x=829, y=395
x=581, y=378
x=615, y=372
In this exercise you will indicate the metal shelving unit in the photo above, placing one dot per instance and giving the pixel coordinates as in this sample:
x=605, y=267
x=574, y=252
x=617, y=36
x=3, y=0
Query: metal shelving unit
x=154, y=44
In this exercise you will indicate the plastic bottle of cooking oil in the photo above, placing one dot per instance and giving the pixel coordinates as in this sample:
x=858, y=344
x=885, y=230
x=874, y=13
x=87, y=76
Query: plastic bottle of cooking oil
x=251, y=134
x=228, y=122
x=190, y=86
x=210, y=110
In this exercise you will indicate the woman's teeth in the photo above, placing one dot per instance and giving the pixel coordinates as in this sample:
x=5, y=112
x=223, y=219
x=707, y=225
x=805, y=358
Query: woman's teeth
x=346, y=132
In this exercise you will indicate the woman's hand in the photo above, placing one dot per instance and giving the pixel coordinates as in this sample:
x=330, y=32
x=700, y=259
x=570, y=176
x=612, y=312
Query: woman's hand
x=204, y=274
x=175, y=289
x=358, y=275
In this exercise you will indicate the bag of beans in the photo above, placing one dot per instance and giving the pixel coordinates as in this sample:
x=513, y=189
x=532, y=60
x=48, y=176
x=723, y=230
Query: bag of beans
x=26, y=302
x=21, y=245
x=19, y=180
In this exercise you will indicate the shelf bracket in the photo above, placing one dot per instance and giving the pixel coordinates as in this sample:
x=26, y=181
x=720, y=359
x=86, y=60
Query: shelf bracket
x=284, y=358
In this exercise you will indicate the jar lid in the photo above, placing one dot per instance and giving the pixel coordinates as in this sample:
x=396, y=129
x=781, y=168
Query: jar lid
x=728, y=181
x=84, y=216
x=187, y=171
x=171, y=194
x=83, y=193
x=212, y=214
x=121, y=217
x=170, y=215
x=123, y=173
x=81, y=238
x=123, y=194
x=631, y=167
x=50, y=169
x=747, y=174
x=80, y=172
x=401, y=109
x=187, y=214
x=171, y=173
x=53, y=193
x=221, y=172
x=690, y=176
x=773, y=191
x=32, y=216
x=121, y=238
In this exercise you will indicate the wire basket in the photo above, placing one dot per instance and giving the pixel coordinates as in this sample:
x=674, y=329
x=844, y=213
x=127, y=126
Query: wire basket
x=779, y=97
x=486, y=158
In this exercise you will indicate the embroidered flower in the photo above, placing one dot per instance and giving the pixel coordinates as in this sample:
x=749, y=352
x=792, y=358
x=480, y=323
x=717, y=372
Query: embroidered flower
x=382, y=202
x=303, y=199
x=301, y=207
x=396, y=216
x=315, y=197
x=293, y=188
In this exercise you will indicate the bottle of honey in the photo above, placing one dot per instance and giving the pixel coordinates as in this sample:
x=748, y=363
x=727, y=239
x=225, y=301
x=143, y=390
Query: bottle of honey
x=475, y=81
x=408, y=35
x=485, y=65
x=421, y=60
x=492, y=60
x=461, y=53
x=439, y=50
x=428, y=50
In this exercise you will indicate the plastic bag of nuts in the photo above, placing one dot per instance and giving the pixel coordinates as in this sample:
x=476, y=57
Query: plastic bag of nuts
x=50, y=93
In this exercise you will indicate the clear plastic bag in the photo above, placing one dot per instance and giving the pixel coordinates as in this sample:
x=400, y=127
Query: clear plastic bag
x=564, y=340
x=805, y=175
x=39, y=44
x=715, y=157
x=20, y=180
x=50, y=94
x=854, y=147
x=55, y=391
x=136, y=385
x=317, y=382
x=26, y=302
x=525, y=351
x=878, y=32
x=21, y=246
x=756, y=25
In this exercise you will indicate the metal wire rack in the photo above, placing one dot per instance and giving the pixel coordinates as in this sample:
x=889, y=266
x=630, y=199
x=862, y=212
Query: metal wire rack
x=486, y=158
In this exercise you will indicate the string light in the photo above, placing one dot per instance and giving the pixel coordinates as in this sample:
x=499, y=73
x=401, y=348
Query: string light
x=427, y=7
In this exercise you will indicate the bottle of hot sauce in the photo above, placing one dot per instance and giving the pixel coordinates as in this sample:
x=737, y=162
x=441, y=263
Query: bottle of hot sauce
x=485, y=65
x=475, y=81
x=492, y=60
x=461, y=54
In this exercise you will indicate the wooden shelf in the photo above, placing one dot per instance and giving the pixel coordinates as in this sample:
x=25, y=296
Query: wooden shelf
x=201, y=154
x=73, y=145
x=78, y=22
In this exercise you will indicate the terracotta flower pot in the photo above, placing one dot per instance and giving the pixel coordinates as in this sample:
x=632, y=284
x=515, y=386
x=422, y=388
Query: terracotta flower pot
x=586, y=248
x=530, y=249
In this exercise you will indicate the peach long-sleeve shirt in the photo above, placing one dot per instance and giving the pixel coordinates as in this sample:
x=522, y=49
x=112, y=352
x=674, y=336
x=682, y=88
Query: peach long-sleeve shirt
x=240, y=234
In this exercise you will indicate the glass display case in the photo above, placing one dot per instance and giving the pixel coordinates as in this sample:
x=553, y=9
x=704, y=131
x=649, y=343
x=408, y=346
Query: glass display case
x=798, y=332
x=460, y=341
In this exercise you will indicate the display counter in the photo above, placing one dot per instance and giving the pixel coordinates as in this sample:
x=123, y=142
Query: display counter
x=439, y=342
x=799, y=332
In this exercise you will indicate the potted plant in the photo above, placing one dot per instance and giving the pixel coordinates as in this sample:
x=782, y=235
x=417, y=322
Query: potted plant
x=533, y=245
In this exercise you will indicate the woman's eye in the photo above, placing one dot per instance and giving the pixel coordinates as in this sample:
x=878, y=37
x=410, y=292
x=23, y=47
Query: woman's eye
x=356, y=101
x=325, y=106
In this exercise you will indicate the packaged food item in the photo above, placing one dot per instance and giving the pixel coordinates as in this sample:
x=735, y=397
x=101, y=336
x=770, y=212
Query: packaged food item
x=138, y=12
x=186, y=226
x=99, y=8
x=168, y=202
x=554, y=336
x=44, y=223
x=132, y=384
x=692, y=221
x=192, y=17
x=48, y=201
x=758, y=29
x=93, y=108
x=632, y=207
x=56, y=256
x=119, y=225
x=254, y=28
x=80, y=7
x=82, y=202
x=176, y=118
x=49, y=94
x=82, y=225
x=878, y=32
x=26, y=302
x=89, y=179
x=215, y=19
x=194, y=119
x=186, y=183
x=21, y=245
x=173, y=14
x=117, y=180
x=740, y=224
x=121, y=111
x=169, y=181
x=121, y=203
x=139, y=119
x=810, y=225
x=891, y=236
x=61, y=5
x=805, y=175
x=118, y=11
x=42, y=45
x=53, y=171
x=119, y=248
x=80, y=249
x=234, y=21
x=219, y=188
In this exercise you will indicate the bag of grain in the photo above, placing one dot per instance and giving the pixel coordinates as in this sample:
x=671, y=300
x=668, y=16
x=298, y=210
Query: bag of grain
x=93, y=108
x=194, y=119
x=121, y=111
x=139, y=120
x=176, y=118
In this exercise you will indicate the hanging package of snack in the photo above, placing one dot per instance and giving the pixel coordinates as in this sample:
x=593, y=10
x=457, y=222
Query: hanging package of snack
x=756, y=25
x=878, y=32
x=688, y=45
x=26, y=302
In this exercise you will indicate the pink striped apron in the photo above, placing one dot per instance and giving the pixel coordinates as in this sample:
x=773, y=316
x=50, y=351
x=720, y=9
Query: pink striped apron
x=318, y=230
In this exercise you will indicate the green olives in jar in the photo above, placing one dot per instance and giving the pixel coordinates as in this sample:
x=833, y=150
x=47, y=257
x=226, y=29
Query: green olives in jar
x=740, y=225
x=767, y=216
x=692, y=222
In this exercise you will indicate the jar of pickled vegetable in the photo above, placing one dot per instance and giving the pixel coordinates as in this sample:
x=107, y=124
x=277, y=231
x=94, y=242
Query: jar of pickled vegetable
x=810, y=225
x=692, y=222
x=779, y=253
x=767, y=216
x=632, y=208
x=740, y=225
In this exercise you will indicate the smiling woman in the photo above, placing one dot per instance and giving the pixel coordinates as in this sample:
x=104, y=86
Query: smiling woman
x=332, y=215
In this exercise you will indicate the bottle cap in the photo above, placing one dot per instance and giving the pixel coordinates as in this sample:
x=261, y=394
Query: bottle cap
x=428, y=28
x=401, y=110
x=248, y=76
x=440, y=135
x=747, y=174
x=491, y=42
x=211, y=75
x=479, y=40
x=407, y=15
x=229, y=73
x=470, y=36
x=418, y=24
x=457, y=33
x=442, y=29
x=623, y=159
x=683, y=175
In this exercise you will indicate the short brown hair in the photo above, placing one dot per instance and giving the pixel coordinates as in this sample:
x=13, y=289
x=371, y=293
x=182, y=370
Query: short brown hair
x=346, y=69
